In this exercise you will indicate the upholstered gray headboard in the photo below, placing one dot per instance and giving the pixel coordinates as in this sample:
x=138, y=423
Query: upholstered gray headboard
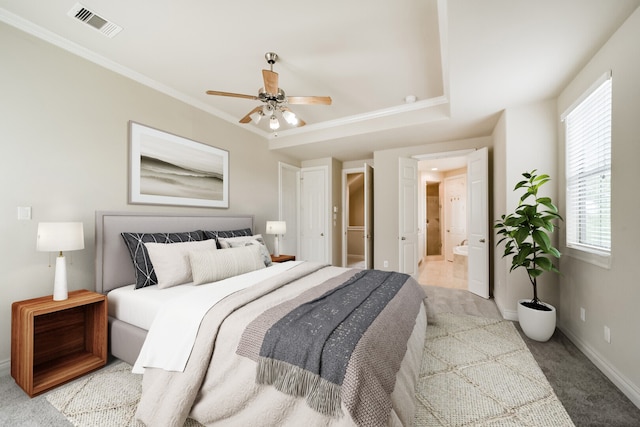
x=113, y=262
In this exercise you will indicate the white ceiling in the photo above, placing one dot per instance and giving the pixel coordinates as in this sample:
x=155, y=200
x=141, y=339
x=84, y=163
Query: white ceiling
x=464, y=60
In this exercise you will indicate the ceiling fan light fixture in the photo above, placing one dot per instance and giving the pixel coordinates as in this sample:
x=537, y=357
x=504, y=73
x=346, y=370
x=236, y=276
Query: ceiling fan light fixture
x=274, y=124
x=257, y=116
x=274, y=99
x=290, y=117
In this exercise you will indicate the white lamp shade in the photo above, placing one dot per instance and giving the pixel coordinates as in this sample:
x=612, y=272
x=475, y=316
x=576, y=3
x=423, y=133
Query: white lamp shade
x=60, y=236
x=276, y=227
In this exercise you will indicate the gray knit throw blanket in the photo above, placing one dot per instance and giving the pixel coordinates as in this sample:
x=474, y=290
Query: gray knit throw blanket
x=307, y=351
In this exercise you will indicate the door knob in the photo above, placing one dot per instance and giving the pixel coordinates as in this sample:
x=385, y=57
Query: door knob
x=403, y=238
x=321, y=234
x=481, y=240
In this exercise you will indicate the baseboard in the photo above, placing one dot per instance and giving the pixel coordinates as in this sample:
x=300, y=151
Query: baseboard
x=5, y=367
x=506, y=314
x=627, y=387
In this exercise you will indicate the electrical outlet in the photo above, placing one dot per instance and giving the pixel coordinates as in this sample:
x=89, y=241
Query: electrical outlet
x=607, y=334
x=583, y=314
x=385, y=264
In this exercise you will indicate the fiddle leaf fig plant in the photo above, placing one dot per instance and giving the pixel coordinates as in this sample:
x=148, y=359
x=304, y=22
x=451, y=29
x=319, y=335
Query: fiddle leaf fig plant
x=526, y=232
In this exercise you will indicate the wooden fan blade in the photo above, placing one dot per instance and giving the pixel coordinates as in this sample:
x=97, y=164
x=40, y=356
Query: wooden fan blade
x=312, y=100
x=247, y=118
x=233, y=95
x=270, y=81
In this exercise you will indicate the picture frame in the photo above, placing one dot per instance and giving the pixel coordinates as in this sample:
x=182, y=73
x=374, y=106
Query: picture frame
x=167, y=169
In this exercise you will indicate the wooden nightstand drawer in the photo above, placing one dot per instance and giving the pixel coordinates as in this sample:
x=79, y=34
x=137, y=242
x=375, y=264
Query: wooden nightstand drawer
x=53, y=342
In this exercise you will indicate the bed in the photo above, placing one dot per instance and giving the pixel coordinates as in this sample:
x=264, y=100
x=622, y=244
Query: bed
x=227, y=378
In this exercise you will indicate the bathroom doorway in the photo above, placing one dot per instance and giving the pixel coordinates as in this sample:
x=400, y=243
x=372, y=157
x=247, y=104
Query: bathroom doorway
x=445, y=222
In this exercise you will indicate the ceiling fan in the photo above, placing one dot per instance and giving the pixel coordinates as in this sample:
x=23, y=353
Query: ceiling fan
x=274, y=99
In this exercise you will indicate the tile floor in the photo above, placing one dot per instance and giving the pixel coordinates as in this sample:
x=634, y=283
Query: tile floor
x=436, y=271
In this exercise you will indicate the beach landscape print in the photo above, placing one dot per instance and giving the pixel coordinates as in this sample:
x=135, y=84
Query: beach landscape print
x=168, y=169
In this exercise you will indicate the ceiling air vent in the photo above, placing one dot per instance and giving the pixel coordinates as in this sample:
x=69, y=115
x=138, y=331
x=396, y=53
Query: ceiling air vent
x=83, y=14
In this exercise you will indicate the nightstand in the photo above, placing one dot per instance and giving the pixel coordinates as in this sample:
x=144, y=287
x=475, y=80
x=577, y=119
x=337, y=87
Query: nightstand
x=283, y=258
x=53, y=342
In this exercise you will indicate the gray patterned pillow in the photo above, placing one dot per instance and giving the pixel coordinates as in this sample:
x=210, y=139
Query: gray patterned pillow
x=145, y=275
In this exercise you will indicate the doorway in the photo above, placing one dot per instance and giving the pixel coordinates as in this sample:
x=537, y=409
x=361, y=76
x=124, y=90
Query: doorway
x=355, y=237
x=473, y=248
x=357, y=222
x=445, y=216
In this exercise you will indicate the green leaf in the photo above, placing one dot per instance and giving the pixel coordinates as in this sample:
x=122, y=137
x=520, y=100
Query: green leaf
x=552, y=208
x=544, y=200
x=521, y=235
x=539, y=222
x=541, y=238
x=520, y=185
x=544, y=263
x=534, y=272
x=541, y=180
x=553, y=251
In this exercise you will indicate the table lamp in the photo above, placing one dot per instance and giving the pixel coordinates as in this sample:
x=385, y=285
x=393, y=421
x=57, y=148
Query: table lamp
x=58, y=237
x=277, y=228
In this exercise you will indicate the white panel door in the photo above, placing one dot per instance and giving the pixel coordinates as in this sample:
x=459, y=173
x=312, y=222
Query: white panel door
x=368, y=216
x=289, y=195
x=408, y=216
x=478, y=195
x=314, y=214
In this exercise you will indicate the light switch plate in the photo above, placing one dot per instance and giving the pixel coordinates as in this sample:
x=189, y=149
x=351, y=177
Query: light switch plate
x=24, y=213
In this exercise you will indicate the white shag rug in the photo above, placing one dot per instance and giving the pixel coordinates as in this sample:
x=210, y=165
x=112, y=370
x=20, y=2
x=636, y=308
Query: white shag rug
x=475, y=372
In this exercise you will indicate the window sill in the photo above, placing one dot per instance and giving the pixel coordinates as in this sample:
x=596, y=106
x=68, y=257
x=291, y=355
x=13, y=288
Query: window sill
x=598, y=259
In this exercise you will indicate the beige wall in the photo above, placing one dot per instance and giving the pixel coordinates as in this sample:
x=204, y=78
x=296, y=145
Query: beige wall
x=63, y=124
x=525, y=139
x=610, y=295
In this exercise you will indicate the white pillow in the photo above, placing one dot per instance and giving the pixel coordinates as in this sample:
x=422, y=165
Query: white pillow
x=211, y=266
x=171, y=260
x=234, y=242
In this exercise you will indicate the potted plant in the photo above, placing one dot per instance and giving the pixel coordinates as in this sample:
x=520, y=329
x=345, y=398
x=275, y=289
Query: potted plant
x=526, y=235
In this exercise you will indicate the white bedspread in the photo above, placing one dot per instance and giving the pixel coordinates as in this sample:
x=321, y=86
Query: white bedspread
x=176, y=324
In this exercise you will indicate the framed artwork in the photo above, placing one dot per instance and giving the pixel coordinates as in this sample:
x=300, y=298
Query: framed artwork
x=167, y=169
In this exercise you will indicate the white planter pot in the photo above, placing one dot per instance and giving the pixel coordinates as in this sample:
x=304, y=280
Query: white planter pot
x=537, y=324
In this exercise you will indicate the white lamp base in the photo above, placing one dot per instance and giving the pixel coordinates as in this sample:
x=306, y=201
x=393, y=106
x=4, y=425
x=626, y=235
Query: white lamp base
x=60, y=281
x=276, y=246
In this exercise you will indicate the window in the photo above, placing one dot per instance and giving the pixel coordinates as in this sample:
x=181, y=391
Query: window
x=588, y=170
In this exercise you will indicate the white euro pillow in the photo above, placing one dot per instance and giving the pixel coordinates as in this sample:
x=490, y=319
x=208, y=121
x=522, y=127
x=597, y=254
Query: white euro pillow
x=171, y=260
x=211, y=266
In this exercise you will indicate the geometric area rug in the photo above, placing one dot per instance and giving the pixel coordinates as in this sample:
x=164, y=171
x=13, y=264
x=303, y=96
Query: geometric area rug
x=108, y=397
x=475, y=372
x=479, y=372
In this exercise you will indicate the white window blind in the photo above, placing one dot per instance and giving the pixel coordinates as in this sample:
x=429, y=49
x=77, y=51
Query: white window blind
x=588, y=155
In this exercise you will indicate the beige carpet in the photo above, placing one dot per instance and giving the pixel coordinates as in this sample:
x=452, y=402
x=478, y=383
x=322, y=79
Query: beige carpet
x=476, y=372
